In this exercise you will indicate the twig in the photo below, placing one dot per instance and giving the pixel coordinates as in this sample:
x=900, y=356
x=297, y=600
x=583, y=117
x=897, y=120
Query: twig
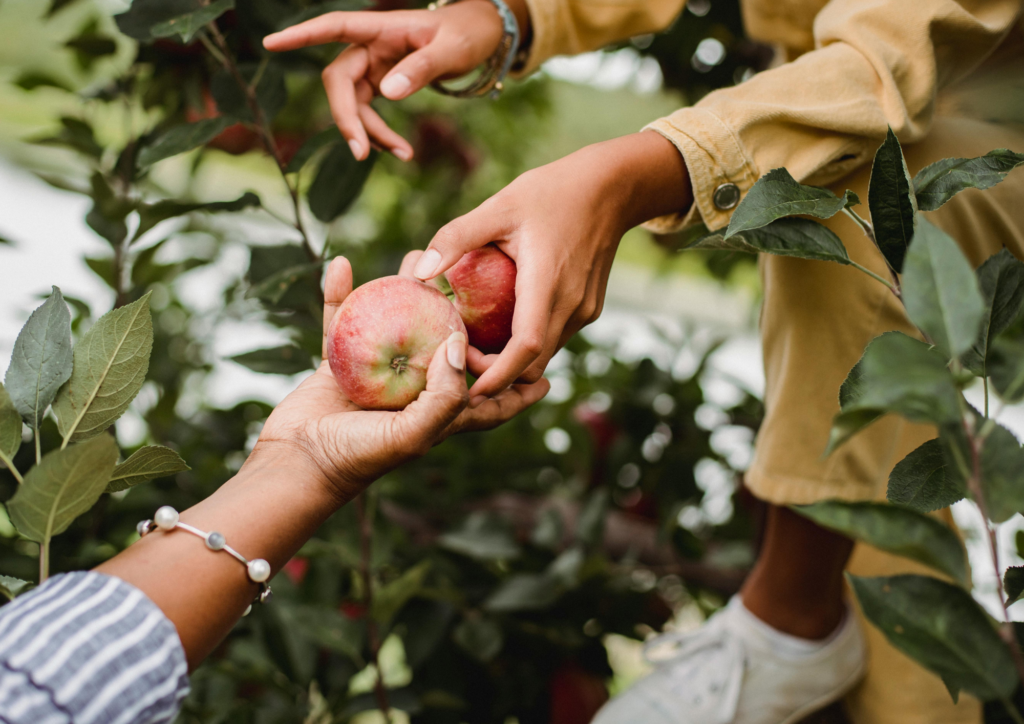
x=44, y=561
x=869, y=231
x=10, y=466
x=365, y=516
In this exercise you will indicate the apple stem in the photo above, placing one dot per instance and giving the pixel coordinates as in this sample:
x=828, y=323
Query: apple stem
x=400, y=364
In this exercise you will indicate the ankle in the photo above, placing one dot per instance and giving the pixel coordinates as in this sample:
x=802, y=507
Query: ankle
x=812, y=618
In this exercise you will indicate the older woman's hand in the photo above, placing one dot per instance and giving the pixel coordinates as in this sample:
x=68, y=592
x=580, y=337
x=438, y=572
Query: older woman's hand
x=351, y=447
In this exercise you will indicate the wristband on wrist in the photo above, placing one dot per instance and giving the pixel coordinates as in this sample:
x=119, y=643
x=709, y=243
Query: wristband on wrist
x=258, y=570
x=491, y=79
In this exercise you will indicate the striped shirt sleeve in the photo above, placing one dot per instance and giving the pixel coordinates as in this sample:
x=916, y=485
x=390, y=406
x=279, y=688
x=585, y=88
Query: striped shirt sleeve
x=86, y=648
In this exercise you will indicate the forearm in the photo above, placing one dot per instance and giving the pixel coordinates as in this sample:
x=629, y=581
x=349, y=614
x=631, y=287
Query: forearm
x=274, y=504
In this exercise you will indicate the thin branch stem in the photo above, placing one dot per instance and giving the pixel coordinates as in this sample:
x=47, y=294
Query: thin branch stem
x=10, y=466
x=863, y=223
x=38, y=444
x=869, y=231
x=985, y=383
x=365, y=516
x=1012, y=711
x=44, y=561
x=895, y=290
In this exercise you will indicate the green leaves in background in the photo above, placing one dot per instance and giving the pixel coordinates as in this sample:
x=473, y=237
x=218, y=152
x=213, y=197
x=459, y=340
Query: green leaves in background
x=41, y=360
x=892, y=203
x=60, y=488
x=109, y=210
x=480, y=637
x=778, y=194
x=275, y=286
x=232, y=100
x=896, y=374
x=187, y=25
x=338, y=182
x=1002, y=474
x=111, y=362
x=145, y=464
x=1006, y=367
x=524, y=592
x=74, y=134
x=1001, y=279
x=389, y=599
x=926, y=480
x=941, y=291
x=284, y=360
x=1013, y=583
x=10, y=428
x=152, y=214
x=307, y=150
x=482, y=537
x=138, y=21
x=319, y=9
x=941, y=627
x=801, y=238
x=12, y=587
x=185, y=137
x=895, y=530
x=938, y=183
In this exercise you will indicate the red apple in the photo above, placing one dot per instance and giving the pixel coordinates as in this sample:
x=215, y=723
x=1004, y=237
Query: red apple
x=383, y=337
x=484, y=284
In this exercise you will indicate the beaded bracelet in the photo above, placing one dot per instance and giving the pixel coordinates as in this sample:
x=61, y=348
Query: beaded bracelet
x=498, y=65
x=258, y=570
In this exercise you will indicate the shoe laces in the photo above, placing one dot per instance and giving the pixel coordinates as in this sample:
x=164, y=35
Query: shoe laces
x=718, y=659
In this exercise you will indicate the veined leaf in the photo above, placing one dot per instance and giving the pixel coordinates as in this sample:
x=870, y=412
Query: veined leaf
x=897, y=374
x=185, y=137
x=10, y=426
x=1013, y=583
x=895, y=530
x=941, y=627
x=152, y=214
x=145, y=464
x=1001, y=279
x=41, y=361
x=1002, y=474
x=111, y=362
x=926, y=480
x=312, y=145
x=938, y=183
x=338, y=182
x=801, y=238
x=284, y=360
x=892, y=202
x=13, y=587
x=778, y=194
x=186, y=26
x=60, y=488
x=941, y=291
x=1006, y=367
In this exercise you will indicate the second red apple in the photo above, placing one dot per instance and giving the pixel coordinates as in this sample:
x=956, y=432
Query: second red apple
x=484, y=286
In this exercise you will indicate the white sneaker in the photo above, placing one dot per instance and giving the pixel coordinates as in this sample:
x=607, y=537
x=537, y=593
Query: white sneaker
x=736, y=669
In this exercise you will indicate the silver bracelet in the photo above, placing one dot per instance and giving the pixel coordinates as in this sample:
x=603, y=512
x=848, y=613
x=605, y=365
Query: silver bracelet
x=258, y=570
x=491, y=80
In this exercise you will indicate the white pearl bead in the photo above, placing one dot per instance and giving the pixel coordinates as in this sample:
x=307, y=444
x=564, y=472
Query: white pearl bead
x=259, y=570
x=166, y=518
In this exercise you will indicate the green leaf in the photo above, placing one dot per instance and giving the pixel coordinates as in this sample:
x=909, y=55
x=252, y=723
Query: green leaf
x=185, y=137
x=896, y=530
x=65, y=484
x=137, y=21
x=326, y=627
x=480, y=637
x=482, y=537
x=274, y=286
x=941, y=627
x=926, y=480
x=111, y=362
x=1001, y=279
x=41, y=360
x=524, y=592
x=590, y=525
x=232, y=99
x=12, y=587
x=388, y=600
x=90, y=46
x=74, y=134
x=284, y=360
x=186, y=26
x=1002, y=474
x=109, y=211
x=777, y=194
x=897, y=374
x=801, y=238
x=315, y=11
x=30, y=80
x=10, y=426
x=938, y=183
x=145, y=464
x=892, y=202
x=1006, y=367
x=152, y=214
x=338, y=182
x=940, y=291
x=103, y=267
x=56, y=6
x=1013, y=583
x=311, y=146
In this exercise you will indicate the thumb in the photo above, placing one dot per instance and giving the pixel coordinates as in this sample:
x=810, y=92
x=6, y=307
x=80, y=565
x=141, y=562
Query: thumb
x=416, y=70
x=471, y=231
x=444, y=398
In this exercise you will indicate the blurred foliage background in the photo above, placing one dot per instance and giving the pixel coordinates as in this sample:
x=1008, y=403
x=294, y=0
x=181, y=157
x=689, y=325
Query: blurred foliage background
x=507, y=576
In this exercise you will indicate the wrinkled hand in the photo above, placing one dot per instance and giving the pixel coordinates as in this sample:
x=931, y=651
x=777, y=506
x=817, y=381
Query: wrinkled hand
x=352, y=447
x=393, y=54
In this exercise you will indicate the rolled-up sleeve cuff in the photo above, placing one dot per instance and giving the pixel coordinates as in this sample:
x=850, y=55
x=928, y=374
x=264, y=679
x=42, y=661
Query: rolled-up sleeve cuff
x=547, y=19
x=714, y=157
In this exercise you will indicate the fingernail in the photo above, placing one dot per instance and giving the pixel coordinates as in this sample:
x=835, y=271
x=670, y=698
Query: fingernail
x=425, y=267
x=477, y=401
x=402, y=153
x=457, y=351
x=356, y=148
x=395, y=86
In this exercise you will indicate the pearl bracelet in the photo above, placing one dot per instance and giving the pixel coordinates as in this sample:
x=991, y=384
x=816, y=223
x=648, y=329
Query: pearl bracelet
x=258, y=570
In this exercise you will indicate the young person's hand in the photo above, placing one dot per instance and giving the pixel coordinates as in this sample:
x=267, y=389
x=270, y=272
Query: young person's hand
x=562, y=224
x=393, y=54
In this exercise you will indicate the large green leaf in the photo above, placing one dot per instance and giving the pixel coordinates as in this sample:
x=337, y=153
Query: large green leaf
x=1001, y=279
x=10, y=426
x=111, y=362
x=338, y=182
x=1002, y=474
x=65, y=484
x=184, y=137
x=926, y=480
x=892, y=202
x=1006, y=367
x=152, y=214
x=145, y=464
x=524, y=592
x=313, y=144
x=41, y=360
x=186, y=26
x=936, y=184
x=897, y=530
x=284, y=360
x=777, y=194
x=11, y=587
x=941, y=292
x=801, y=238
x=941, y=627
x=326, y=627
x=482, y=537
x=137, y=22
x=897, y=374
x=109, y=210
x=233, y=100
